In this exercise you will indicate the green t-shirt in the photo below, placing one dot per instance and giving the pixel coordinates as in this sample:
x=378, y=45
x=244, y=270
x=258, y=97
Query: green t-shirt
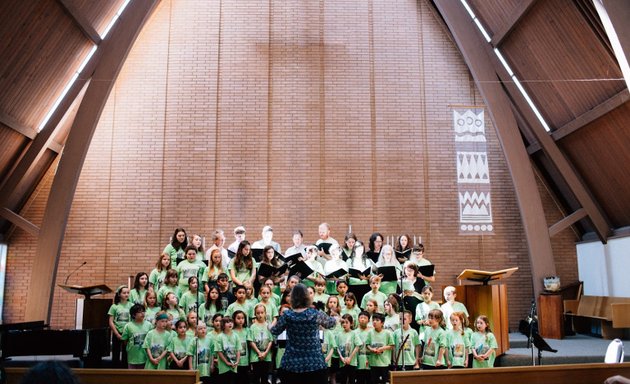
x=156, y=278
x=179, y=347
x=186, y=270
x=242, y=337
x=188, y=302
x=120, y=314
x=379, y=296
x=204, y=350
x=434, y=339
x=229, y=346
x=408, y=355
x=156, y=342
x=346, y=343
x=242, y=274
x=328, y=344
x=134, y=334
x=137, y=296
x=260, y=335
x=149, y=314
x=174, y=253
x=177, y=314
x=164, y=290
x=457, y=346
x=236, y=306
x=354, y=312
x=482, y=343
x=271, y=310
x=380, y=339
x=362, y=355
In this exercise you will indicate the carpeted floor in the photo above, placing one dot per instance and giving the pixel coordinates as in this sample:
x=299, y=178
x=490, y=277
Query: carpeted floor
x=571, y=350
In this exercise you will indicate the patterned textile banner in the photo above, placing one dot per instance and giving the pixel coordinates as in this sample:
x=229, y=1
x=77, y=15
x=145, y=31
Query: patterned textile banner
x=473, y=175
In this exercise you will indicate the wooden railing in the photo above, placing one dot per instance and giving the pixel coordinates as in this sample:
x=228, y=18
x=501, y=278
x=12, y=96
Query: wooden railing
x=548, y=374
x=118, y=376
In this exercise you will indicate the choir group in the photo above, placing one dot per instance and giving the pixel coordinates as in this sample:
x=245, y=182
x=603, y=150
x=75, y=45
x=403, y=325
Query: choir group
x=211, y=310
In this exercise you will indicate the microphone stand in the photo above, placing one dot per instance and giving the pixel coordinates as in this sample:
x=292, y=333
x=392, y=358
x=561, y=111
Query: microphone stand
x=402, y=320
x=71, y=273
x=530, y=337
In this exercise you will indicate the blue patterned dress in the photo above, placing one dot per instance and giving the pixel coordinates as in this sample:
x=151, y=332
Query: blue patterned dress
x=304, y=350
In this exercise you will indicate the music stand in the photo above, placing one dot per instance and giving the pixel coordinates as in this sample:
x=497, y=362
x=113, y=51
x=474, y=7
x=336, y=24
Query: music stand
x=529, y=328
x=94, y=311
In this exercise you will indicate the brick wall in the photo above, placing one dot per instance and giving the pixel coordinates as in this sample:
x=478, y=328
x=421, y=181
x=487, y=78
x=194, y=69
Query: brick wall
x=287, y=113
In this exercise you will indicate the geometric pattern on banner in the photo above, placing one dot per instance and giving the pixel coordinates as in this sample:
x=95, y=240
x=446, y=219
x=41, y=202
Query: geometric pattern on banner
x=473, y=171
x=472, y=167
x=469, y=125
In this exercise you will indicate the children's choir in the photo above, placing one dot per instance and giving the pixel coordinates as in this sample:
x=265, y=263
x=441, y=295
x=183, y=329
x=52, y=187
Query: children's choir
x=212, y=311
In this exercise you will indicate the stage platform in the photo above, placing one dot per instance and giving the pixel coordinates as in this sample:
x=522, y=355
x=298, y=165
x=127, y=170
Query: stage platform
x=571, y=350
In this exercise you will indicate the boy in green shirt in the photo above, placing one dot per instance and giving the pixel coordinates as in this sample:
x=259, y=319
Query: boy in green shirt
x=134, y=334
x=380, y=343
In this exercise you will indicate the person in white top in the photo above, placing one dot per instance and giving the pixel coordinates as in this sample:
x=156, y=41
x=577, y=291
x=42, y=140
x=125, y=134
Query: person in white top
x=239, y=235
x=218, y=241
x=298, y=244
x=324, y=237
x=267, y=239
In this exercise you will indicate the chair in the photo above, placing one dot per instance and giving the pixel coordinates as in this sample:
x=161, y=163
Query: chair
x=614, y=353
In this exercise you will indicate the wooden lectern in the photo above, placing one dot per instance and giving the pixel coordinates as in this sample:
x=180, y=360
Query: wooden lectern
x=487, y=299
x=91, y=312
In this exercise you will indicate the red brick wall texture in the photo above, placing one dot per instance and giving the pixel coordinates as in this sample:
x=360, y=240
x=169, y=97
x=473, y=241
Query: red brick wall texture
x=286, y=113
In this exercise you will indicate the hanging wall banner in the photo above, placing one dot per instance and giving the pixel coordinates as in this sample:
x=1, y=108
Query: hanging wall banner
x=473, y=174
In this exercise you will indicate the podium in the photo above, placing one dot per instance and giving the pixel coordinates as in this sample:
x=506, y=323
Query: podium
x=90, y=313
x=487, y=299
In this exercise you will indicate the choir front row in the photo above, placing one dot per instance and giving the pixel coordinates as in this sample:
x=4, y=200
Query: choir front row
x=232, y=343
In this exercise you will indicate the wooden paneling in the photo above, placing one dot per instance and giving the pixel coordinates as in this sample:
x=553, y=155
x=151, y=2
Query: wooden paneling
x=98, y=13
x=561, y=62
x=556, y=374
x=41, y=48
x=599, y=152
x=13, y=143
x=494, y=14
x=119, y=376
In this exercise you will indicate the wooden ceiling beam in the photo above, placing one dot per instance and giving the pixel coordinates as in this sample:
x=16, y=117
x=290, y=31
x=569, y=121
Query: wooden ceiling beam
x=10, y=122
x=115, y=50
x=573, y=180
x=586, y=118
x=475, y=51
x=81, y=21
x=517, y=15
x=566, y=222
x=45, y=138
x=19, y=221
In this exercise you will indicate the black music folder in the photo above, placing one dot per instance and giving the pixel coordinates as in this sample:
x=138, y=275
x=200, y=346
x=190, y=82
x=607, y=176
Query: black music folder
x=357, y=272
x=337, y=274
x=403, y=256
x=267, y=270
x=388, y=272
x=300, y=269
x=324, y=247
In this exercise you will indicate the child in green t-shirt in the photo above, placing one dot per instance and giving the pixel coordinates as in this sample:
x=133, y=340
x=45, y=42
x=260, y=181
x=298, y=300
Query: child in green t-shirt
x=179, y=347
x=200, y=353
x=156, y=342
x=380, y=343
x=228, y=349
x=348, y=345
x=134, y=334
x=260, y=342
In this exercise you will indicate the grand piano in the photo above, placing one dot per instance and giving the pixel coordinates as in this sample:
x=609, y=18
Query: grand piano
x=36, y=339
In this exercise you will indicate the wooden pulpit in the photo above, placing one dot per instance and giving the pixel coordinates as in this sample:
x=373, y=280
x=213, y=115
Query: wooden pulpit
x=483, y=293
x=90, y=312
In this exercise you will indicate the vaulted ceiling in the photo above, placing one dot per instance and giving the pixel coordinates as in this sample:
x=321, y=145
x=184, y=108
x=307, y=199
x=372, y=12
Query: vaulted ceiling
x=558, y=50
